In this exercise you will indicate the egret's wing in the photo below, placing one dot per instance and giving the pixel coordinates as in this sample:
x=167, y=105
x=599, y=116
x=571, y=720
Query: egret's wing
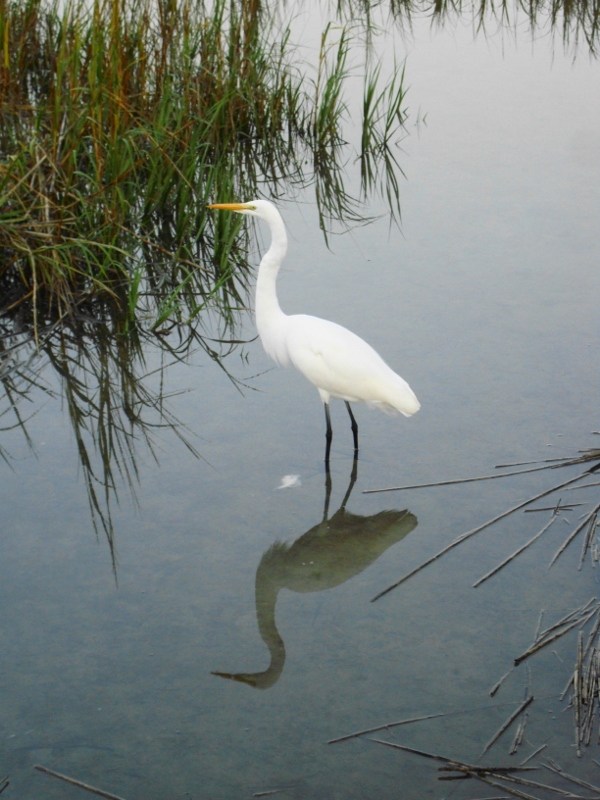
x=333, y=358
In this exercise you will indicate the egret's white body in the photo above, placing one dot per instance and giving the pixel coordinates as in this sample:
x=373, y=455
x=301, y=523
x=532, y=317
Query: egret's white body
x=338, y=362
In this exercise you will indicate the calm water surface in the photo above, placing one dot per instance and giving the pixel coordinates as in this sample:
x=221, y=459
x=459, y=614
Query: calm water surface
x=487, y=303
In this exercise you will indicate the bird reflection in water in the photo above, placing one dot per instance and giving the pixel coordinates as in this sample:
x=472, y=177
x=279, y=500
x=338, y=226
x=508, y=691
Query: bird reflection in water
x=327, y=555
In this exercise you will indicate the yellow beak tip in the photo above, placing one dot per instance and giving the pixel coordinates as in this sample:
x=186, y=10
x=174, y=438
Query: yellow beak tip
x=228, y=206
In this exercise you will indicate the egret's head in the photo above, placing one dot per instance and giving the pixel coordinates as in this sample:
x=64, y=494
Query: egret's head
x=262, y=209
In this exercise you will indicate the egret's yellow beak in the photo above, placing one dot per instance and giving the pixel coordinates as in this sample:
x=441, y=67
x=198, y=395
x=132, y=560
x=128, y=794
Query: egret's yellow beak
x=231, y=206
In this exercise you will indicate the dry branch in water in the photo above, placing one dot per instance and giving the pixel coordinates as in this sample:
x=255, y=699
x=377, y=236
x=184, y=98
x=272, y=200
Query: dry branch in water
x=572, y=535
x=580, y=616
x=507, y=724
x=384, y=727
x=516, y=553
x=487, y=774
x=74, y=782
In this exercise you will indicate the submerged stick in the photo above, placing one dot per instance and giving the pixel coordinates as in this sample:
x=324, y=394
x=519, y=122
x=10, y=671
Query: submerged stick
x=585, y=485
x=554, y=767
x=538, y=645
x=451, y=764
x=567, y=618
x=384, y=727
x=82, y=785
x=514, y=792
x=472, y=532
x=592, y=636
x=588, y=539
x=433, y=756
x=507, y=724
x=496, y=686
x=516, y=553
x=523, y=463
x=518, y=740
x=454, y=481
x=577, y=693
x=533, y=755
x=570, y=538
x=590, y=641
x=565, y=507
x=523, y=782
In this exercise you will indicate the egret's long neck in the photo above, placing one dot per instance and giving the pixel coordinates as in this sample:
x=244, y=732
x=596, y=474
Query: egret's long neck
x=269, y=316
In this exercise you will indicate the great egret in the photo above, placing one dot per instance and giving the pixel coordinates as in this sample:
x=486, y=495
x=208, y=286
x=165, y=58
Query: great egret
x=338, y=362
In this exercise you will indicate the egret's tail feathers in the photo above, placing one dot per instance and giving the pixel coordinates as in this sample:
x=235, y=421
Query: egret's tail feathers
x=392, y=410
x=399, y=397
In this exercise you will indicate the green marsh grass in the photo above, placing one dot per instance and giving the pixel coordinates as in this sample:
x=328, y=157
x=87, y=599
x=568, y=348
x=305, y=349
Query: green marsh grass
x=121, y=119
x=119, y=122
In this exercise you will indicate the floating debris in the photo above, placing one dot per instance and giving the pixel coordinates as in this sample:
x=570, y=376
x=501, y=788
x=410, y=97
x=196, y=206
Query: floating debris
x=508, y=723
x=384, y=727
x=580, y=616
x=488, y=774
x=572, y=535
x=516, y=553
x=81, y=785
x=533, y=755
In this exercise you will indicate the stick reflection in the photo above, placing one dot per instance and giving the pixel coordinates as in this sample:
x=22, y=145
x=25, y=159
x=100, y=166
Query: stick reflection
x=327, y=555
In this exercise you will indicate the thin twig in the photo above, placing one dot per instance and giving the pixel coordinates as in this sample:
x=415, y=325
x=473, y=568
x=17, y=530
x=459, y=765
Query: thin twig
x=518, y=740
x=567, y=618
x=384, y=727
x=554, y=767
x=538, y=645
x=516, y=553
x=577, y=693
x=514, y=792
x=507, y=724
x=451, y=764
x=496, y=686
x=565, y=462
x=523, y=463
x=567, y=507
x=588, y=539
x=517, y=792
x=86, y=786
x=592, y=636
x=570, y=538
x=533, y=755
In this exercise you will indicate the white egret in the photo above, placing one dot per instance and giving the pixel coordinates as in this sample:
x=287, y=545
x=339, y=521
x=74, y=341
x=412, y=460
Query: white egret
x=338, y=362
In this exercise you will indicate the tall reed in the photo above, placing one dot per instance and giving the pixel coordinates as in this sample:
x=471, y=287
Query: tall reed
x=120, y=120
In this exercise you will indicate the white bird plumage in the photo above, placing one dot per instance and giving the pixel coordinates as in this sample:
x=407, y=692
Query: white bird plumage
x=338, y=362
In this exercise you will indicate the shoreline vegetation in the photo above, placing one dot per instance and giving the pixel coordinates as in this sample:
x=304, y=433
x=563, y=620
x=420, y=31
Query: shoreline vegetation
x=121, y=120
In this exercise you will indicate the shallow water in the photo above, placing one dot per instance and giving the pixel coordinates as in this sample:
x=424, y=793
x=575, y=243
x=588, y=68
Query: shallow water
x=486, y=303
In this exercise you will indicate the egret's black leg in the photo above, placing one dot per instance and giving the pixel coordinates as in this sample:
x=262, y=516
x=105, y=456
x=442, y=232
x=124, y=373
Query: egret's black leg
x=354, y=427
x=353, y=477
x=327, y=494
x=328, y=437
